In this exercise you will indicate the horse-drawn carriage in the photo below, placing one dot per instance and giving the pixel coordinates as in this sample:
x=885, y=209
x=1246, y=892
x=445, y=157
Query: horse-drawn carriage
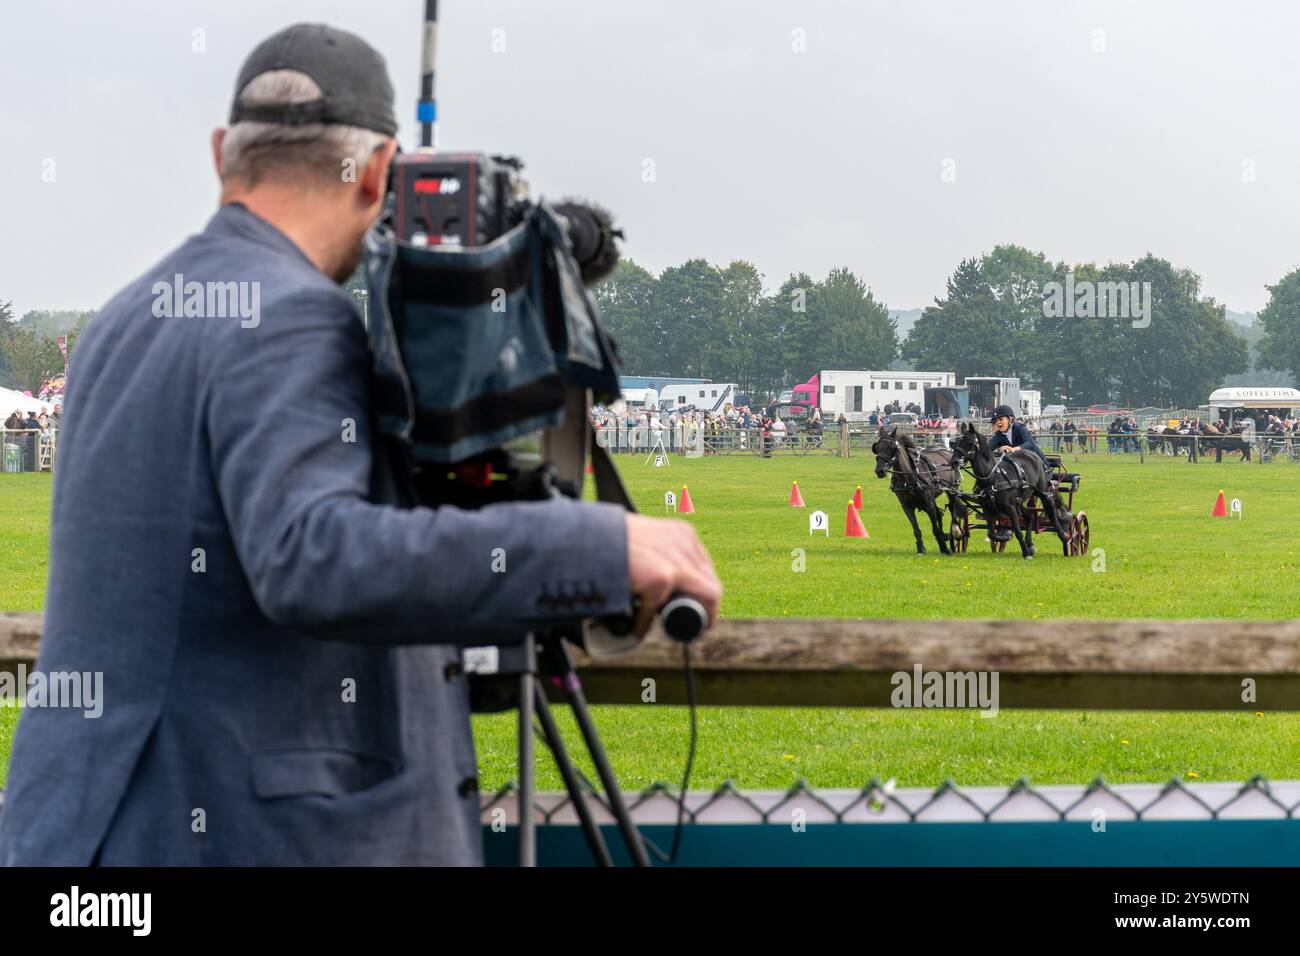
x=1196, y=439
x=1032, y=515
x=1014, y=496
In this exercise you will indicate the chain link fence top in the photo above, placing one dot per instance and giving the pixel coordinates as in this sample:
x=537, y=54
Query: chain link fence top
x=882, y=802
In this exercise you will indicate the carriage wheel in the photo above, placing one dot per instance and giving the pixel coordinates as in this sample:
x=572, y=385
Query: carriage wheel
x=998, y=524
x=959, y=534
x=1077, y=535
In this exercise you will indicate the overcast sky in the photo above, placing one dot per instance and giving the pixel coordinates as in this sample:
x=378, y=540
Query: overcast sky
x=798, y=135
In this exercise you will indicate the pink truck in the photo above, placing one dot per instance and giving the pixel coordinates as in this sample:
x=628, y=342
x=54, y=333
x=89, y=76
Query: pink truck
x=806, y=394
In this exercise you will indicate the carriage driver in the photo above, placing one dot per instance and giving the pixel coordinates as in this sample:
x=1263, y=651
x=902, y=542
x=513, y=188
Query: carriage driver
x=1011, y=435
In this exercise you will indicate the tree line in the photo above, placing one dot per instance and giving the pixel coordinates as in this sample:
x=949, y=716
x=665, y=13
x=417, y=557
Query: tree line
x=700, y=320
x=1001, y=314
x=1072, y=331
x=29, y=348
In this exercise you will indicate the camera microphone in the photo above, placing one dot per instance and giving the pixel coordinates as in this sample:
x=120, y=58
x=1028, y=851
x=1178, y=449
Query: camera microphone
x=591, y=232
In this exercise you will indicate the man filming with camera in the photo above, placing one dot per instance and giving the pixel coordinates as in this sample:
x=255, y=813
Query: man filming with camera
x=278, y=640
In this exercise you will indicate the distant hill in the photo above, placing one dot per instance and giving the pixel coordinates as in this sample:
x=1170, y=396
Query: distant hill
x=905, y=319
x=48, y=324
x=1258, y=374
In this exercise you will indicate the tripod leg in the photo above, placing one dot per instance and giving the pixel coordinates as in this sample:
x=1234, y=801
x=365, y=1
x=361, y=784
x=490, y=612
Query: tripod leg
x=599, y=851
x=635, y=848
x=527, y=767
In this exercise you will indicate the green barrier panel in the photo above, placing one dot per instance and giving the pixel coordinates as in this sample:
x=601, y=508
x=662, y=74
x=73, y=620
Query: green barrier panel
x=1129, y=843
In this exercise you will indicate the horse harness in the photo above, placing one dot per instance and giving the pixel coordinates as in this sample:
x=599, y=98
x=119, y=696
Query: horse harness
x=924, y=475
x=989, y=485
x=900, y=480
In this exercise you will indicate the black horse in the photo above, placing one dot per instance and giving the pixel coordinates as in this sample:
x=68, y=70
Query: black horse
x=1008, y=482
x=1230, y=442
x=919, y=477
x=1169, y=441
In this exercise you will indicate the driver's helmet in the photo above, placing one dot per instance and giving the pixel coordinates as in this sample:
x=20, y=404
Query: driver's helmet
x=1002, y=410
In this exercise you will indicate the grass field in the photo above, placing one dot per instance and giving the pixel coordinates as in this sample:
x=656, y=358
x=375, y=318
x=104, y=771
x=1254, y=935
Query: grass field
x=1163, y=557
x=24, y=540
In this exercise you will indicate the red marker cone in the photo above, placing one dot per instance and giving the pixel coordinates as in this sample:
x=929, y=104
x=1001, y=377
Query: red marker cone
x=853, y=526
x=1220, y=508
x=590, y=470
x=684, y=504
x=796, y=499
x=857, y=498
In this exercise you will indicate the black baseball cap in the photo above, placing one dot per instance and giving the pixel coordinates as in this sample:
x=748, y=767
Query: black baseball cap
x=352, y=75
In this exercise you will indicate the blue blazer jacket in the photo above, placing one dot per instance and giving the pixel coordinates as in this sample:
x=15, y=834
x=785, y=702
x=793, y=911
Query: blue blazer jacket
x=276, y=639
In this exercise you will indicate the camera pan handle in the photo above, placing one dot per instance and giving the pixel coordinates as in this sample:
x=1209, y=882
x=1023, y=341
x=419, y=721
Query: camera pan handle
x=683, y=618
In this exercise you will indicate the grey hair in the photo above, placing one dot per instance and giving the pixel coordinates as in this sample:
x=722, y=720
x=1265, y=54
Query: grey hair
x=254, y=151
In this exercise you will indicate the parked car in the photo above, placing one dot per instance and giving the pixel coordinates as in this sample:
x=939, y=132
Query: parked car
x=907, y=419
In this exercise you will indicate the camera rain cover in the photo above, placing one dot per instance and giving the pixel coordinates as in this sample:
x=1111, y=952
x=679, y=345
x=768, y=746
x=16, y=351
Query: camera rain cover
x=473, y=347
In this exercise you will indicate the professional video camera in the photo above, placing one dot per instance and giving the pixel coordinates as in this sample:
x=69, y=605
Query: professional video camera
x=491, y=294
x=470, y=199
x=487, y=350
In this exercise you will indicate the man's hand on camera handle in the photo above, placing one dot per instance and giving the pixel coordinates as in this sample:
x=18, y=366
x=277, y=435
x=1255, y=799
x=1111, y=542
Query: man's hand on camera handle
x=665, y=557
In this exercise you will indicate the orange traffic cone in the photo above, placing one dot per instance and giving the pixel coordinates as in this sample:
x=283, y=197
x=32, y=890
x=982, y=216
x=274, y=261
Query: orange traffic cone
x=853, y=526
x=684, y=504
x=857, y=498
x=1220, y=508
x=796, y=499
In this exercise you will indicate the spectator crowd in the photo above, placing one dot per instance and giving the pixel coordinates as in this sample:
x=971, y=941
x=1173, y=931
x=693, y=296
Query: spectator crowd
x=24, y=434
x=643, y=429
x=743, y=427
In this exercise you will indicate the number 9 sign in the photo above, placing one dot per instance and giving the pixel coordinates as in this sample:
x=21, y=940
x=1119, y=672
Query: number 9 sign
x=817, y=521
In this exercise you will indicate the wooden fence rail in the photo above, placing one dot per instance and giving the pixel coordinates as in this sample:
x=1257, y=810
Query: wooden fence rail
x=1076, y=664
